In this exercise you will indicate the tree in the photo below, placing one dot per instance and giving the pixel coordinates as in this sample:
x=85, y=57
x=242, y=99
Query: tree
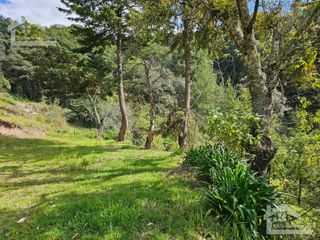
x=50, y=72
x=187, y=29
x=152, y=82
x=15, y=70
x=297, y=163
x=94, y=111
x=179, y=24
x=207, y=94
x=105, y=22
x=98, y=67
x=262, y=69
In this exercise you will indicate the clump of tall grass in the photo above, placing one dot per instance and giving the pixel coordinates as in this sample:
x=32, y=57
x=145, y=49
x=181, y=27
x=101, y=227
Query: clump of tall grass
x=205, y=157
x=235, y=195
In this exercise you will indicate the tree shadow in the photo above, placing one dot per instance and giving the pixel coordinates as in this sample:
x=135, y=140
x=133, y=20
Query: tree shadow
x=78, y=176
x=138, y=210
x=15, y=153
x=150, y=208
x=24, y=149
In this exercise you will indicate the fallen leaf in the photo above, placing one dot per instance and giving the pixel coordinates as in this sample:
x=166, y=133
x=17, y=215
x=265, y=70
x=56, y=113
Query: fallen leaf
x=22, y=220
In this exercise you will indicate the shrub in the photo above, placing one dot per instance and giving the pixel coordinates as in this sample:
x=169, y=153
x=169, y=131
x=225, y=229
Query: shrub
x=4, y=84
x=240, y=198
x=170, y=144
x=110, y=135
x=206, y=157
x=232, y=122
x=235, y=195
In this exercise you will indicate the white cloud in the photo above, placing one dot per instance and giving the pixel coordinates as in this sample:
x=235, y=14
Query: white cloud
x=43, y=12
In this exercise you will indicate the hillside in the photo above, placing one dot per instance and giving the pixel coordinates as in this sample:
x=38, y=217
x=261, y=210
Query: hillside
x=29, y=119
x=67, y=185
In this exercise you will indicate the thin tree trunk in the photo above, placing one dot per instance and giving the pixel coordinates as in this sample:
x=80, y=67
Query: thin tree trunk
x=151, y=133
x=187, y=91
x=122, y=101
x=101, y=129
x=299, y=190
x=95, y=109
x=152, y=114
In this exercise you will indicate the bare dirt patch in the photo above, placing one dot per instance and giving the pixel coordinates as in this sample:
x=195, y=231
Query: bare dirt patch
x=9, y=129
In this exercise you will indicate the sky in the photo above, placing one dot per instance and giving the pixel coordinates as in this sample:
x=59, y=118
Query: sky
x=42, y=12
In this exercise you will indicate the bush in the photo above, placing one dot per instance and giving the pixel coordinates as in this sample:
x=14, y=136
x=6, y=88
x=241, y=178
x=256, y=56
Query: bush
x=206, y=157
x=235, y=195
x=110, y=135
x=170, y=144
x=4, y=84
x=233, y=121
x=240, y=198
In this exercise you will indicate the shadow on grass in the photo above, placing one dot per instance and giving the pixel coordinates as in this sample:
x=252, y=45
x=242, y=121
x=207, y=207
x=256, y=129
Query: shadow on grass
x=137, y=210
x=155, y=208
x=78, y=176
x=23, y=149
x=16, y=152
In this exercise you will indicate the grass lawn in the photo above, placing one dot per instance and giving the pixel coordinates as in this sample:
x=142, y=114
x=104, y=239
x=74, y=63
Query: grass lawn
x=72, y=187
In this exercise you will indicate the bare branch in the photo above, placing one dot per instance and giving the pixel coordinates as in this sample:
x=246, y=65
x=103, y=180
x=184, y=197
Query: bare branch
x=254, y=17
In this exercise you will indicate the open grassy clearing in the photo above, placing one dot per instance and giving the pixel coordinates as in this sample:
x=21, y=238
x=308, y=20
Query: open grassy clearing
x=72, y=187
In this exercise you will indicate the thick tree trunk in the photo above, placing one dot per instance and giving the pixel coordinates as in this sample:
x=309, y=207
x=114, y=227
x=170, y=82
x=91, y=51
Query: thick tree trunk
x=121, y=95
x=262, y=83
x=187, y=91
x=262, y=104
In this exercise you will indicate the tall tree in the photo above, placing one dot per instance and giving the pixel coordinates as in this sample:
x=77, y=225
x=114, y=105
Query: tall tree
x=105, y=22
x=187, y=30
x=178, y=23
x=262, y=69
x=152, y=82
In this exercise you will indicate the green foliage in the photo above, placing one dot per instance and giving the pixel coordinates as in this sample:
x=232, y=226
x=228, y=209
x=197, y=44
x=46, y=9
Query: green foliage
x=235, y=194
x=205, y=157
x=51, y=72
x=140, y=124
x=101, y=23
x=206, y=92
x=110, y=135
x=170, y=144
x=4, y=83
x=296, y=168
x=239, y=198
x=232, y=122
x=89, y=109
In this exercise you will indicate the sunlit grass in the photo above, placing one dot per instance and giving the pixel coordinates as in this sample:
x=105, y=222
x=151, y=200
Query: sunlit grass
x=73, y=187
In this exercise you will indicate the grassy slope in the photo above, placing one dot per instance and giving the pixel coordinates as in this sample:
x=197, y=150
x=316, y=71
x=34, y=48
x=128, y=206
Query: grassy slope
x=34, y=119
x=69, y=186
x=73, y=187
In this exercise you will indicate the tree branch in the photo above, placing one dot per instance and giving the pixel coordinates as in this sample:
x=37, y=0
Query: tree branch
x=254, y=17
x=309, y=19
